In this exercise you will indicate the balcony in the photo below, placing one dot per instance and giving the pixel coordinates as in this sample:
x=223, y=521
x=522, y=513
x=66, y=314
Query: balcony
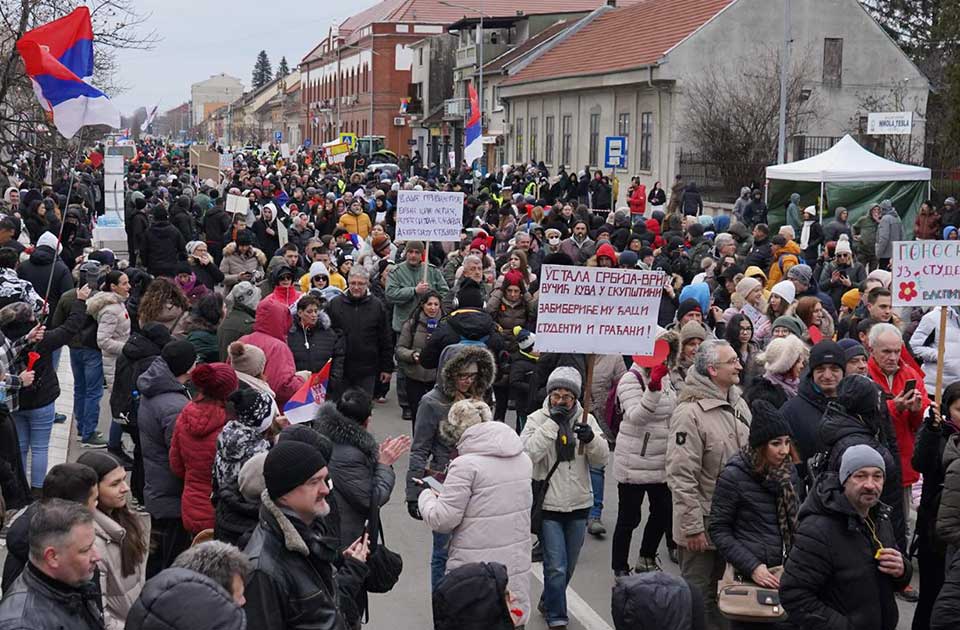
x=466, y=56
x=454, y=108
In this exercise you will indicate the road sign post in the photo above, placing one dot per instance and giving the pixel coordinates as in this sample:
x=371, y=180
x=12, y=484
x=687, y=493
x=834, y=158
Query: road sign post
x=615, y=152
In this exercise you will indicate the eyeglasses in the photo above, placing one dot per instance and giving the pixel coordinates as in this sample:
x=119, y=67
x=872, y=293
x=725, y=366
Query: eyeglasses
x=464, y=376
x=563, y=398
x=733, y=361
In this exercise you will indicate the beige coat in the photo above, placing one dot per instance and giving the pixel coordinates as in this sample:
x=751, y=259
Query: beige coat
x=707, y=429
x=119, y=593
x=233, y=264
x=113, y=328
x=641, y=450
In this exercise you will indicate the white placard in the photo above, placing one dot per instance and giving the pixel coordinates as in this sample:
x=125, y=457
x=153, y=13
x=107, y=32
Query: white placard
x=596, y=310
x=890, y=124
x=226, y=161
x=926, y=273
x=114, y=192
x=237, y=204
x=429, y=216
x=284, y=150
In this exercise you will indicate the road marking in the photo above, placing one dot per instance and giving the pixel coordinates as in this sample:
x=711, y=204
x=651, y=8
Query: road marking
x=577, y=607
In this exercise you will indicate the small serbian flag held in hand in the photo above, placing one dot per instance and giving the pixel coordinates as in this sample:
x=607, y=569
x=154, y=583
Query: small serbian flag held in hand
x=58, y=57
x=303, y=406
x=32, y=358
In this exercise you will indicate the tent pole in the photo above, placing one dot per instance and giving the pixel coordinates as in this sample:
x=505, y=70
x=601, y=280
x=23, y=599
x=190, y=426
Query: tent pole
x=822, y=186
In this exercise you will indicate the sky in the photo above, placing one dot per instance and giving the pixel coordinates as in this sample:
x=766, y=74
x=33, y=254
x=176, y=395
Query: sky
x=200, y=38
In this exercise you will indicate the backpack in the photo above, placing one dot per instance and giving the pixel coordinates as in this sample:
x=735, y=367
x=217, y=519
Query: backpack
x=482, y=341
x=612, y=410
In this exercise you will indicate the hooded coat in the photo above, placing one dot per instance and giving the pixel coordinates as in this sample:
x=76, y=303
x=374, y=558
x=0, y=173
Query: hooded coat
x=270, y=335
x=238, y=322
x=656, y=601
x=788, y=256
x=466, y=324
x=360, y=478
x=180, y=599
x=312, y=348
x=831, y=580
x=639, y=456
x=162, y=248
x=192, y=453
x=485, y=505
x=793, y=217
x=234, y=263
x=889, y=230
x=113, y=328
x=36, y=270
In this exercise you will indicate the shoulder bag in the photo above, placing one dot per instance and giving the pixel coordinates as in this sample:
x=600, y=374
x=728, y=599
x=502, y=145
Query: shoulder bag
x=384, y=565
x=539, y=492
x=740, y=599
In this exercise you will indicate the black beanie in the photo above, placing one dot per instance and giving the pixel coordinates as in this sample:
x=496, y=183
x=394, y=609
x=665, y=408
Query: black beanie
x=308, y=435
x=860, y=396
x=827, y=352
x=687, y=306
x=767, y=423
x=470, y=295
x=180, y=356
x=290, y=464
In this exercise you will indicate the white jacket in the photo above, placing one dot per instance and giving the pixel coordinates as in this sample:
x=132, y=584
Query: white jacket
x=641, y=450
x=930, y=324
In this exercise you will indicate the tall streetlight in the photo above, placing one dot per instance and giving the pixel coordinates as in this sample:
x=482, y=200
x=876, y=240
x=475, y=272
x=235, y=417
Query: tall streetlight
x=479, y=53
x=784, y=77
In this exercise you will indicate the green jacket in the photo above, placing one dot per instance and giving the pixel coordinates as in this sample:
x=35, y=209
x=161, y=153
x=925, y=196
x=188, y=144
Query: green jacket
x=401, y=285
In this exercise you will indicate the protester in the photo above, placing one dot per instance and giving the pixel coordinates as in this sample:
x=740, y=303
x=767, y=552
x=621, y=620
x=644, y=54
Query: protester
x=270, y=328
x=414, y=335
x=474, y=596
x=241, y=306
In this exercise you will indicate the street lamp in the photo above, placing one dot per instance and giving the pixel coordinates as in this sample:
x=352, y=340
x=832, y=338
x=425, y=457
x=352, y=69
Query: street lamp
x=480, y=51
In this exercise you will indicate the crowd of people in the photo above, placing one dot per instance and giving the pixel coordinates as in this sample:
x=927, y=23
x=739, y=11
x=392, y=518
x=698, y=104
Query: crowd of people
x=783, y=434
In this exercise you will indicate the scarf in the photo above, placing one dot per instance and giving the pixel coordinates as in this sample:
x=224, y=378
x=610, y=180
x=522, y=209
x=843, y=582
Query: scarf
x=790, y=386
x=566, y=443
x=788, y=504
x=805, y=234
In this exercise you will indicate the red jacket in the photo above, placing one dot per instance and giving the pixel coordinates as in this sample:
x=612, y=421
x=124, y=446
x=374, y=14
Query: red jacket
x=905, y=423
x=270, y=327
x=638, y=200
x=192, y=451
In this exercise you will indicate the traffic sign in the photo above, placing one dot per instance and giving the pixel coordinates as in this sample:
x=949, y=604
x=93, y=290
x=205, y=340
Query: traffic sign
x=278, y=136
x=615, y=154
x=307, y=143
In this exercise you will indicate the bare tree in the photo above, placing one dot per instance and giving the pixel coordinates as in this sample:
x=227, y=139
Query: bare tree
x=896, y=148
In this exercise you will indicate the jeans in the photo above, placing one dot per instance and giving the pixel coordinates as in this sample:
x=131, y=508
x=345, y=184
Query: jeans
x=629, y=514
x=33, y=433
x=438, y=559
x=87, y=366
x=561, y=542
x=596, y=480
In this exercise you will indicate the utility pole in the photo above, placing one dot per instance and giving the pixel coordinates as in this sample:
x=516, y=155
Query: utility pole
x=784, y=76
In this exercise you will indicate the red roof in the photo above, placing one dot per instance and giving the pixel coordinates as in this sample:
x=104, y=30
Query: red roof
x=513, y=54
x=622, y=39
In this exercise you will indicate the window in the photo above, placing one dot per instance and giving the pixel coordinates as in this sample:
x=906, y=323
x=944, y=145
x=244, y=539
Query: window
x=567, y=135
x=548, y=133
x=533, y=138
x=646, y=140
x=420, y=53
x=832, y=61
x=593, y=157
x=518, y=132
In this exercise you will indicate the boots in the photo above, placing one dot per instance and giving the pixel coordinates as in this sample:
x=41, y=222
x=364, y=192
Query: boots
x=645, y=564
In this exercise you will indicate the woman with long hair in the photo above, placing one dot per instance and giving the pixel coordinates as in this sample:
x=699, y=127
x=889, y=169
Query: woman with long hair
x=414, y=335
x=163, y=302
x=811, y=313
x=781, y=298
x=740, y=334
x=517, y=260
x=122, y=539
x=783, y=362
x=753, y=518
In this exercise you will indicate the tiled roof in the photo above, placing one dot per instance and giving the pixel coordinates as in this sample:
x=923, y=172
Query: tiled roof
x=496, y=65
x=622, y=39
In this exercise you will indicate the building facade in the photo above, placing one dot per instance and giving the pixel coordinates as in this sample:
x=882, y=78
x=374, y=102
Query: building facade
x=209, y=95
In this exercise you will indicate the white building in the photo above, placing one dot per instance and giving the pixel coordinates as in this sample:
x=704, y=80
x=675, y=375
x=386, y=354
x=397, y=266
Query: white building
x=211, y=94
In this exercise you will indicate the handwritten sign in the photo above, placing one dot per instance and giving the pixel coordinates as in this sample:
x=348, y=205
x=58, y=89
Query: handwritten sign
x=429, y=216
x=595, y=310
x=926, y=273
x=237, y=204
x=226, y=161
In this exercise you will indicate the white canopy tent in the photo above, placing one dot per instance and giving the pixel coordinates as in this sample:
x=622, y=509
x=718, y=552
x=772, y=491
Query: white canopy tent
x=847, y=161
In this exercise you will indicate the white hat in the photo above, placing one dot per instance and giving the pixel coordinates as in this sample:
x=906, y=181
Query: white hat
x=50, y=240
x=812, y=210
x=785, y=290
x=843, y=245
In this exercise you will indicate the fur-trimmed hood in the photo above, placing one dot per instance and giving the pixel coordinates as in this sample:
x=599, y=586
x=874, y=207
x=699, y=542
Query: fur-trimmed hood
x=100, y=300
x=292, y=539
x=231, y=248
x=454, y=357
x=342, y=430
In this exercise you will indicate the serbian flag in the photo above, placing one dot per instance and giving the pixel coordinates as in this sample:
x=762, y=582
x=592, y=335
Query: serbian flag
x=303, y=405
x=473, y=143
x=58, y=57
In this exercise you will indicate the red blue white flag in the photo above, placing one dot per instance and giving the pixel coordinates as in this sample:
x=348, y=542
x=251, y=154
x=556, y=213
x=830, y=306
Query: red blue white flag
x=303, y=405
x=473, y=142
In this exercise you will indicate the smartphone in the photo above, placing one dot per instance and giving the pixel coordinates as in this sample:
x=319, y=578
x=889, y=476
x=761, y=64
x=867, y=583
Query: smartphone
x=909, y=386
x=431, y=483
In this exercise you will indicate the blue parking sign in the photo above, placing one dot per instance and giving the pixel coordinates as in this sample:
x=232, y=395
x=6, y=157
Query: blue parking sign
x=307, y=143
x=615, y=154
x=278, y=136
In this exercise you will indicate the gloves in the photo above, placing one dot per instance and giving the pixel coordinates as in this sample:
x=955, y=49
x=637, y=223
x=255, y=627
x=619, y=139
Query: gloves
x=560, y=415
x=656, y=377
x=414, y=510
x=584, y=432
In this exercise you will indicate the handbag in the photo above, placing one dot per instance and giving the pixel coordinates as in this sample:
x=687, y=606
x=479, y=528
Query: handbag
x=740, y=599
x=384, y=565
x=539, y=487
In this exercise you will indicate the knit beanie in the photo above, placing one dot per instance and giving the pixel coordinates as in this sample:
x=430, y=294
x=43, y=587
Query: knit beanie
x=692, y=330
x=244, y=238
x=246, y=358
x=244, y=293
x=746, y=286
x=629, y=259
x=567, y=378
x=767, y=423
x=378, y=242
x=851, y=299
x=413, y=246
x=782, y=354
x=308, y=435
x=470, y=295
x=686, y=306
x=254, y=408
x=826, y=352
x=791, y=323
x=859, y=456
x=852, y=348
x=290, y=464
x=843, y=245
x=859, y=395
x=525, y=338
x=512, y=278
x=800, y=273
x=214, y=380
x=785, y=290
x=192, y=247
x=180, y=355
x=463, y=415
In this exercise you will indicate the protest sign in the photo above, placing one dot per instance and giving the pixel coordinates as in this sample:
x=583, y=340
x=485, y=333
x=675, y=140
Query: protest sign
x=284, y=150
x=237, y=204
x=226, y=161
x=596, y=310
x=429, y=216
x=926, y=273
x=336, y=152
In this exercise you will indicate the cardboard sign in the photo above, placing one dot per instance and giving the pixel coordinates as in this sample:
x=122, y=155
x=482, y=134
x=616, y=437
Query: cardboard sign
x=926, y=273
x=595, y=310
x=237, y=204
x=429, y=216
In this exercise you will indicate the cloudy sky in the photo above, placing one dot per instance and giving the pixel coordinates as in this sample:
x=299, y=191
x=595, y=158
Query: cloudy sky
x=199, y=38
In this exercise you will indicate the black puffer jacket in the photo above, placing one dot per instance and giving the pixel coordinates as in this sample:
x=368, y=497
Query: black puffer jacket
x=312, y=348
x=946, y=612
x=763, y=389
x=216, y=224
x=292, y=584
x=831, y=581
x=235, y=516
x=470, y=325
x=181, y=218
x=181, y=599
x=369, y=338
x=353, y=464
x=137, y=355
x=163, y=247
x=743, y=517
x=657, y=601
x=36, y=270
x=804, y=412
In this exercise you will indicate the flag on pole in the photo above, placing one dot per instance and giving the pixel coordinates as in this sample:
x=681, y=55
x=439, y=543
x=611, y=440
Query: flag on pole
x=473, y=142
x=149, y=120
x=303, y=405
x=58, y=57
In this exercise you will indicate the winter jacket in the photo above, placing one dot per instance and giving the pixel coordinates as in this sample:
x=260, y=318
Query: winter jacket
x=579, y=252
x=890, y=229
x=181, y=219
x=267, y=242
x=927, y=225
x=234, y=263
x=312, y=348
x=760, y=255
x=787, y=257
x=293, y=585
x=360, y=478
x=691, y=201
x=162, y=248
x=270, y=335
x=905, y=423
x=865, y=228
x=948, y=516
x=833, y=230
x=607, y=370
x=208, y=275
x=946, y=610
x=804, y=412
x=570, y=488
x=216, y=224
x=814, y=241
x=855, y=272
x=744, y=525
x=358, y=224
x=793, y=218
x=707, y=428
x=640, y=453
x=36, y=602
x=36, y=270
x=413, y=338
x=928, y=460
x=238, y=322
x=138, y=354
x=366, y=328
x=113, y=328
x=180, y=599
x=119, y=591
x=764, y=389
x=15, y=289
x=924, y=342
x=831, y=580
x=401, y=294
x=485, y=505
x=18, y=545
x=192, y=452
x=507, y=316
x=465, y=324
x=428, y=450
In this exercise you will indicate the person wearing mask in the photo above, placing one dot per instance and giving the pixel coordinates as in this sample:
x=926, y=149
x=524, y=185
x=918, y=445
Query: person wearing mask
x=845, y=567
x=241, y=306
x=122, y=539
x=485, y=505
x=56, y=589
x=193, y=446
x=783, y=362
x=753, y=518
x=414, y=335
x=708, y=427
x=551, y=437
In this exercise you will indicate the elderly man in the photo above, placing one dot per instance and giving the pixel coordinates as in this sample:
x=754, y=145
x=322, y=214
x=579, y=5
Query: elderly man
x=406, y=285
x=709, y=425
x=844, y=567
x=472, y=269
